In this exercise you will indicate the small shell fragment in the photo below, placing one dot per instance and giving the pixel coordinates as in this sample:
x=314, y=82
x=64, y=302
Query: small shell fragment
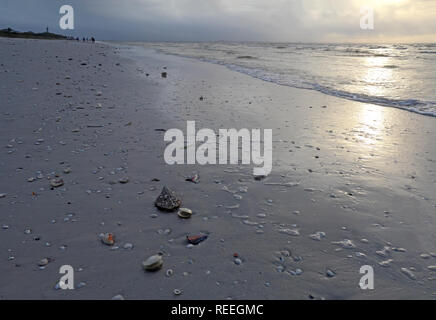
x=55, y=183
x=408, y=273
x=196, y=239
x=128, y=246
x=43, y=262
x=195, y=178
x=123, y=180
x=386, y=263
x=153, y=263
x=330, y=273
x=184, y=213
x=291, y=232
x=318, y=236
x=346, y=244
x=107, y=238
x=169, y=272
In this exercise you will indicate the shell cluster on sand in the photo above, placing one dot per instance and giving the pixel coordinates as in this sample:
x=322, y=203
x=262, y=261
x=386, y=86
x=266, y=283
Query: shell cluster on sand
x=153, y=263
x=168, y=200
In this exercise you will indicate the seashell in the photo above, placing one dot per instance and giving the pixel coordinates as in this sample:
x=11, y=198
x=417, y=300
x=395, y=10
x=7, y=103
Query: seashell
x=408, y=273
x=346, y=244
x=386, y=263
x=177, y=292
x=128, y=246
x=169, y=272
x=195, y=178
x=330, y=273
x=153, y=263
x=118, y=297
x=107, y=238
x=196, y=239
x=384, y=252
x=167, y=200
x=291, y=232
x=56, y=183
x=43, y=262
x=317, y=236
x=2, y=195
x=123, y=180
x=184, y=213
x=280, y=269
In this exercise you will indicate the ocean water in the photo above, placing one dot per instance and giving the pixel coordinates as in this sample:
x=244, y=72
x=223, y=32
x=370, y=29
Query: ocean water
x=401, y=76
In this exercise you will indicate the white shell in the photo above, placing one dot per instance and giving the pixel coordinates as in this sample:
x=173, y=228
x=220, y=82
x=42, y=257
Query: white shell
x=153, y=263
x=56, y=183
x=107, y=238
x=43, y=262
x=184, y=213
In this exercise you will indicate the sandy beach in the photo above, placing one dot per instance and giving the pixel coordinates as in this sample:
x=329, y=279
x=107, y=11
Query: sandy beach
x=352, y=184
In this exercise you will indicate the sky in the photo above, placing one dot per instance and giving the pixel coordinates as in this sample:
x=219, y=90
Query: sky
x=229, y=20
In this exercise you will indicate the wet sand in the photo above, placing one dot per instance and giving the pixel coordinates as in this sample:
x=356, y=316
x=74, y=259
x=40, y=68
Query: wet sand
x=353, y=171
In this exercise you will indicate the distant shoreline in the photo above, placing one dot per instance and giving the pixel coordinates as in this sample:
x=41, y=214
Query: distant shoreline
x=10, y=33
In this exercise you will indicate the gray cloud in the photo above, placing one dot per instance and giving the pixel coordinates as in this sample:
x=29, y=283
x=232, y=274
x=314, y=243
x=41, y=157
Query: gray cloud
x=211, y=20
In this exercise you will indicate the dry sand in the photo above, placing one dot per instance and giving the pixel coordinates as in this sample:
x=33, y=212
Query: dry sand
x=351, y=170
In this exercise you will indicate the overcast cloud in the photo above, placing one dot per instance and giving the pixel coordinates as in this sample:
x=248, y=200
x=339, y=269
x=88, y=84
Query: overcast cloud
x=233, y=20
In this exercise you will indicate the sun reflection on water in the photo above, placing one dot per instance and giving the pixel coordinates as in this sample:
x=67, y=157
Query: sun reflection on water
x=379, y=72
x=369, y=128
